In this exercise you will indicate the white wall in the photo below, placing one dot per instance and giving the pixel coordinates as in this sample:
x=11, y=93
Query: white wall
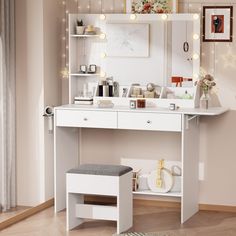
x=36, y=85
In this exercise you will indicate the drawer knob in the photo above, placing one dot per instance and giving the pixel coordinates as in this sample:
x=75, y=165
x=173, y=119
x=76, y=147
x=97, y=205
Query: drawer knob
x=149, y=122
x=85, y=119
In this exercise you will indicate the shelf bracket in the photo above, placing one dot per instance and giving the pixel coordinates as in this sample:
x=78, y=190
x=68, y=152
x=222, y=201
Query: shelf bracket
x=191, y=117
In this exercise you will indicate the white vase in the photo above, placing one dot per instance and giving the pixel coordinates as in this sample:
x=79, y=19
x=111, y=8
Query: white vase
x=80, y=30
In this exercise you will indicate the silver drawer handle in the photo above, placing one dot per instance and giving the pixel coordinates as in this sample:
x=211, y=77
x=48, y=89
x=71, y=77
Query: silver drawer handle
x=149, y=122
x=85, y=119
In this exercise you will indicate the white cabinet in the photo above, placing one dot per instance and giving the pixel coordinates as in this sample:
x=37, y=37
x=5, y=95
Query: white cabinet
x=86, y=119
x=149, y=121
x=184, y=121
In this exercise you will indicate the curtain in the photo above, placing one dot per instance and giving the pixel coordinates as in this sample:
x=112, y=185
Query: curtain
x=7, y=106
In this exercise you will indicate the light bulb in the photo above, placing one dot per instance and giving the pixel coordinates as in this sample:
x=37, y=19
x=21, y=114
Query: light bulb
x=195, y=16
x=195, y=76
x=103, y=55
x=102, y=36
x=102, y=74
x=102, y=17
x=133, y=17
x=195, y=36
x=195, y=56
x=164, y=16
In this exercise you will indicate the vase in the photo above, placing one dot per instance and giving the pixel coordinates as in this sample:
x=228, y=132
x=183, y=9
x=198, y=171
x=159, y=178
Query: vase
x=204, y=100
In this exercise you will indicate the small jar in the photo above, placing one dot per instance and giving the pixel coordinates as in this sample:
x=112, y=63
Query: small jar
x=141, y=103
x=172, y=106
x=132, y=104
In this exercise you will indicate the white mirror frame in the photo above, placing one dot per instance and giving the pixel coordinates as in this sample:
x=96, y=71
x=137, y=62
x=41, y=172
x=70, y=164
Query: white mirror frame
x=195, y=18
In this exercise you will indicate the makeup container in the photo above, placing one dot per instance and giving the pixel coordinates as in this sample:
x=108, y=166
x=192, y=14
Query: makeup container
x=141, y=103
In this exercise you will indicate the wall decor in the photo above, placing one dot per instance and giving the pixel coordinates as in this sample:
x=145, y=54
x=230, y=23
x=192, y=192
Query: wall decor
x=152, y=6
x=218, y=24
x=128, y=40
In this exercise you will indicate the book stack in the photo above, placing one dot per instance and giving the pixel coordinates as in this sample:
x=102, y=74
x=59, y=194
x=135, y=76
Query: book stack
x=83, y=100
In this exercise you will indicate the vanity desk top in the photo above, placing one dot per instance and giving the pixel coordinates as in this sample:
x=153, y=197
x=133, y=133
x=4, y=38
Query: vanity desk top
x=212, y=111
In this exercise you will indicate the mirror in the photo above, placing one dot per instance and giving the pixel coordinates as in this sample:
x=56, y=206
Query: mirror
x=153, y=49
x=142, y=49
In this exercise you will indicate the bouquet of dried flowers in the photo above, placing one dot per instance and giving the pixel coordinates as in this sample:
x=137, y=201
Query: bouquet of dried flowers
x=206, y=83
x=150, y=6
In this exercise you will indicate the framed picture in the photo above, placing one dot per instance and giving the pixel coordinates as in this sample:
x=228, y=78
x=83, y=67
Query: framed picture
x=127, y=40
x=151, y=6
x=218, y=24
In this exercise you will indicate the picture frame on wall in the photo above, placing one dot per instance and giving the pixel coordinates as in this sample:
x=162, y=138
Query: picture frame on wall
x=151, y=6
x=217, y=24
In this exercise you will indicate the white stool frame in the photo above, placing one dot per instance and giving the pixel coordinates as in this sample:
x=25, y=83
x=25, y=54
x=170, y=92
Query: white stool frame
x=118, y=186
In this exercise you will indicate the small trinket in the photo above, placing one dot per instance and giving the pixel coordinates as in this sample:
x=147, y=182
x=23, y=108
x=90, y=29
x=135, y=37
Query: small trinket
x=141, y=103
x=172, y=107
x=132, y=104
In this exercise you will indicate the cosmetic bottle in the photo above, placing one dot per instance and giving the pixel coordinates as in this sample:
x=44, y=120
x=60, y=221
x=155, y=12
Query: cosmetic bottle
x=110, y=89
x=100, y=89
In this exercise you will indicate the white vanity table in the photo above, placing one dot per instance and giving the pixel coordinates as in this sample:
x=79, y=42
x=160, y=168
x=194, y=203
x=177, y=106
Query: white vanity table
x=184, y=121
x=69, y=119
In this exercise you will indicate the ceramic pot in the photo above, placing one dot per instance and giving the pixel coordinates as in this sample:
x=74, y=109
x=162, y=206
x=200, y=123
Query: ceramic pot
x=80, y=30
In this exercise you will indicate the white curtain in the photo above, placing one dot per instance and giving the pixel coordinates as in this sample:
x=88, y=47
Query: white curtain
x=7, y=106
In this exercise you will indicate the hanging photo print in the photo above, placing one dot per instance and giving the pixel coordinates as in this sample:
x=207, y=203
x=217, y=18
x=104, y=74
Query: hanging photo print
x=218, y=24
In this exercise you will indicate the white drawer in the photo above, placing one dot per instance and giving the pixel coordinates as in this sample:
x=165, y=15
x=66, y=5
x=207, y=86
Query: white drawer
x=149, y=121
x=89, y=119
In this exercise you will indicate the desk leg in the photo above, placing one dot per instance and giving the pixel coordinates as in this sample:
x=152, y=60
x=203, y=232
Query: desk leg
x=190, y=162
x=66, y=156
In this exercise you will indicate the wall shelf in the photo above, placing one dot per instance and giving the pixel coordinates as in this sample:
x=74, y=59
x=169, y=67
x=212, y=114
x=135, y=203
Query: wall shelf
x=84, y=36
x=84, y=75
x=151, y=193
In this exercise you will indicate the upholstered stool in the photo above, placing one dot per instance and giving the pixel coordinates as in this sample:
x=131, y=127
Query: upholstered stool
x=106, y=180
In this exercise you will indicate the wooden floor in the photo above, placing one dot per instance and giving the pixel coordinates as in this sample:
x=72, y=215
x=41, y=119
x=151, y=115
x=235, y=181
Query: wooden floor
x=146, y=219
x=13, y=212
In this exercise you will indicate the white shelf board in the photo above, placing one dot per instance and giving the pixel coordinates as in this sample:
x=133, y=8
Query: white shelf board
x=149, y=192
x=84, y=35
x=83, y=75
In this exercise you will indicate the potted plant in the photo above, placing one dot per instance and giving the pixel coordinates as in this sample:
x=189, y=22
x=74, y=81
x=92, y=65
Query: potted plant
x=80, y=27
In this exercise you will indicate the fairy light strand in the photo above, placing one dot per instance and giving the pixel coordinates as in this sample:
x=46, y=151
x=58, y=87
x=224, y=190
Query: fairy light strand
x=65, y=30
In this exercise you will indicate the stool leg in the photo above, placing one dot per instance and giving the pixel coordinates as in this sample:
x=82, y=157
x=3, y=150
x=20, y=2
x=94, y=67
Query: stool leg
x=125, y=203
x=71, y=220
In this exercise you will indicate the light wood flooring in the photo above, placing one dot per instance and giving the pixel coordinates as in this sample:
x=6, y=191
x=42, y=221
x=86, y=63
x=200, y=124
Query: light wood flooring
x=13, y=212
x=146, y=219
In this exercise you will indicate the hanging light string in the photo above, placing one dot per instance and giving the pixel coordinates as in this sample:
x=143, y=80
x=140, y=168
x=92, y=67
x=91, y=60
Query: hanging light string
x=65, y=29
x=64, y=71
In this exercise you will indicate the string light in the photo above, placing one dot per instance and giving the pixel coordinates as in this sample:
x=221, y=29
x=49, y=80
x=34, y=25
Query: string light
x=102, y=36
x=102, y=74
x=133, y=17
x=65, y=73
x=195, y=76
x=195, y=16
x=103, y=55
x=164, y=17
x=195, y=56
x=102, y=17
x=195, y=36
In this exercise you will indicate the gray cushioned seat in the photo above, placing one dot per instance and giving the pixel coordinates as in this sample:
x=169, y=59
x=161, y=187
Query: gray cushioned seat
x=94, y=169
